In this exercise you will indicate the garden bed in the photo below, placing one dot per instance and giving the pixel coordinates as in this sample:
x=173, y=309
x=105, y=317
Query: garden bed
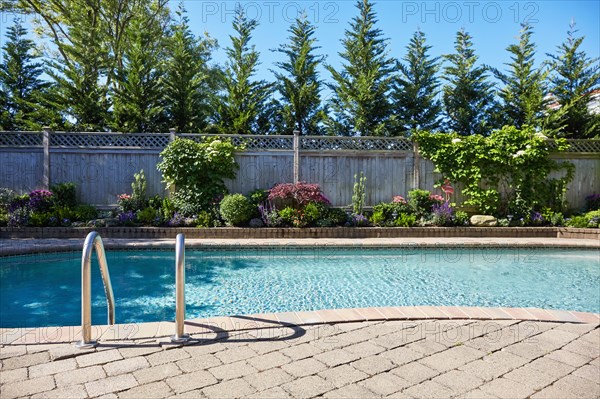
x=299, y=233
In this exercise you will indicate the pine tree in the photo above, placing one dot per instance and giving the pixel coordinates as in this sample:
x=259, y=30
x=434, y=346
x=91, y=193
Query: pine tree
x=524, y=85
x=138, y=98
x=22, y=89
x=239, y=109
x=299, y=82
x=187, y=77
x=574, y=77
x=468, y=97
x=79, y=75
x=360, y=91
x=415, y=91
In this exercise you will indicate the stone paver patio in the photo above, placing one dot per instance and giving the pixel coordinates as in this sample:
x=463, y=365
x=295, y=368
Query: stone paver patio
x=387, y=358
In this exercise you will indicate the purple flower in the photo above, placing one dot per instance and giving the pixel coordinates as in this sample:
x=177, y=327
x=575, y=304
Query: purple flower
x=177, y=220
x=359, y=220
x=126, y=217
x=442, y=214
x=536, y=217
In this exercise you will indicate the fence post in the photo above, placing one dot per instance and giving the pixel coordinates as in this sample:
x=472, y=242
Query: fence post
x=46, y=144
x=296, y=156
x=416, y=166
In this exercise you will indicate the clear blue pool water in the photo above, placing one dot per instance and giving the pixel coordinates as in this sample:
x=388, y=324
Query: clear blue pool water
x=44, y=289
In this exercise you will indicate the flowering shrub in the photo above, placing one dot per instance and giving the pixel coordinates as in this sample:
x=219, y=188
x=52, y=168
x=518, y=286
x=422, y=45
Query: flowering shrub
x=399, y=199
x=269, y=214
x=442, y=214
x=126, y=202
x=300, y=193
x=359, y=220
x=177, y=220
x=126, y=218
x=293, y=217
x=436, y=199
x=40, y=200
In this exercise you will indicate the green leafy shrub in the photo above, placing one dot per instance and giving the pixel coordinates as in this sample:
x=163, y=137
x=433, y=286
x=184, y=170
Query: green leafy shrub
x=461, y=218
x=292, y=217
x=338, y=216
x=236, y=209
x=421, y=202
x=326, y=222
x=405, y=220
x=516, y=159
x=138, y=191
x=149, y=217
x=557, y=219
x=378, y=217
x=7, y=196
x=205, y=219
x=167, y=208
x=359, y=193
x=577, y=221
x=84, y=213
x=65, y=194
x=383, y=213
x=258, y=196
x=198, y=170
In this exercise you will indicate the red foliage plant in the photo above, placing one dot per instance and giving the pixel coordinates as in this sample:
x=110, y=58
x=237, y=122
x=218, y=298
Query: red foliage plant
x=301, y=193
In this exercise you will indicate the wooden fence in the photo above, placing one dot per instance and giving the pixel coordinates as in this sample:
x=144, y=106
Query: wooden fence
x=102, y=164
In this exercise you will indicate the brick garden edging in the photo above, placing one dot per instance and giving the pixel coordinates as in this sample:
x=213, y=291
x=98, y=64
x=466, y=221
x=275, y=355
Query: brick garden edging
x=326, y=232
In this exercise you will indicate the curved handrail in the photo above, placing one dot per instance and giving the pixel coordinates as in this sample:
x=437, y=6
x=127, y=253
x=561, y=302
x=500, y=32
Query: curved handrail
x=93, y=240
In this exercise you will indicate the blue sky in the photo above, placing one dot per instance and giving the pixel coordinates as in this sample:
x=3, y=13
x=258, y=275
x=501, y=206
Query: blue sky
x=493, y=24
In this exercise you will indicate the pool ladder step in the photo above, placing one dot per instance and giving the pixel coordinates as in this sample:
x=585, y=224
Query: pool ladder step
x=94, y=241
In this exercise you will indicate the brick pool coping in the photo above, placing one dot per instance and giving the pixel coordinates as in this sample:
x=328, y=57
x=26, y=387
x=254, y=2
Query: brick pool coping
x=297, y=233
x=10, y=247
x=229, y=325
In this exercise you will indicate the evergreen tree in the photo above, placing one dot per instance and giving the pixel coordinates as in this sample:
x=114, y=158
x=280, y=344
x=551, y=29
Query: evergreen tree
x=241, y=106
x=299, y=82
x=137, y=97
x=22, y=89
x=468, y=97
x=187, y=77
x=79, y=76
x=361, y=89
x=524, y=86
x=416, y=88
x=574, y=77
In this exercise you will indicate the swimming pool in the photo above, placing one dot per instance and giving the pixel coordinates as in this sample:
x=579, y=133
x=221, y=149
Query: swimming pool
x=44, y=289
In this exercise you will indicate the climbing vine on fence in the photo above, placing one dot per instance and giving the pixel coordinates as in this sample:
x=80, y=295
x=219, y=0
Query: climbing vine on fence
x=504, y=173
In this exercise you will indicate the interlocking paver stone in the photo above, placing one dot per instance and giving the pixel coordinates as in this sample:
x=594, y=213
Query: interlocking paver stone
x=126, y=365
x=188, y=382
x=237, y=388
x=458, y=358
x=110, y=384
x=415, y=372
x=268, y=361
x=336, y=357
x=157, y=389
x=268, y=379
x=79, y=376
x=29, y=387
x=350, y=392
x=308, y=387
x=52, y=368
x=102, y=357
x=232, y=370
x=342, y=375
x=167, y=356
x=25, y=360
x=304, y=367
x=70, y=392
x=13, y=375
x=429, y=389
x=503, y=388
x=458, y=381
x=301, y=351
x=385, y=383
x=156, y=373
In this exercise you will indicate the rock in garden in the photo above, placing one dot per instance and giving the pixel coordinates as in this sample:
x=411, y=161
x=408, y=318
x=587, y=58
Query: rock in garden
x=483, y=221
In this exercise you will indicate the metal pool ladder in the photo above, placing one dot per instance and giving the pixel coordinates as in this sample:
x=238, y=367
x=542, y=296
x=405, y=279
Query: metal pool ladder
x=93, y=240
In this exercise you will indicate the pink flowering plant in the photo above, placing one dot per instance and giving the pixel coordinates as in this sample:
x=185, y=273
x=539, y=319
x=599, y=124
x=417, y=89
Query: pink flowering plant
x=299, y=194
x=126, y=203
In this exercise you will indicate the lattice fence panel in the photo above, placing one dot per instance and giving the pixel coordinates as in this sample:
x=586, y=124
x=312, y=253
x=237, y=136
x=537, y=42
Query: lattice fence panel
x=355, y=144
x=250, y=142
x=21, y=139
x=584, y=146
x=148, y=140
